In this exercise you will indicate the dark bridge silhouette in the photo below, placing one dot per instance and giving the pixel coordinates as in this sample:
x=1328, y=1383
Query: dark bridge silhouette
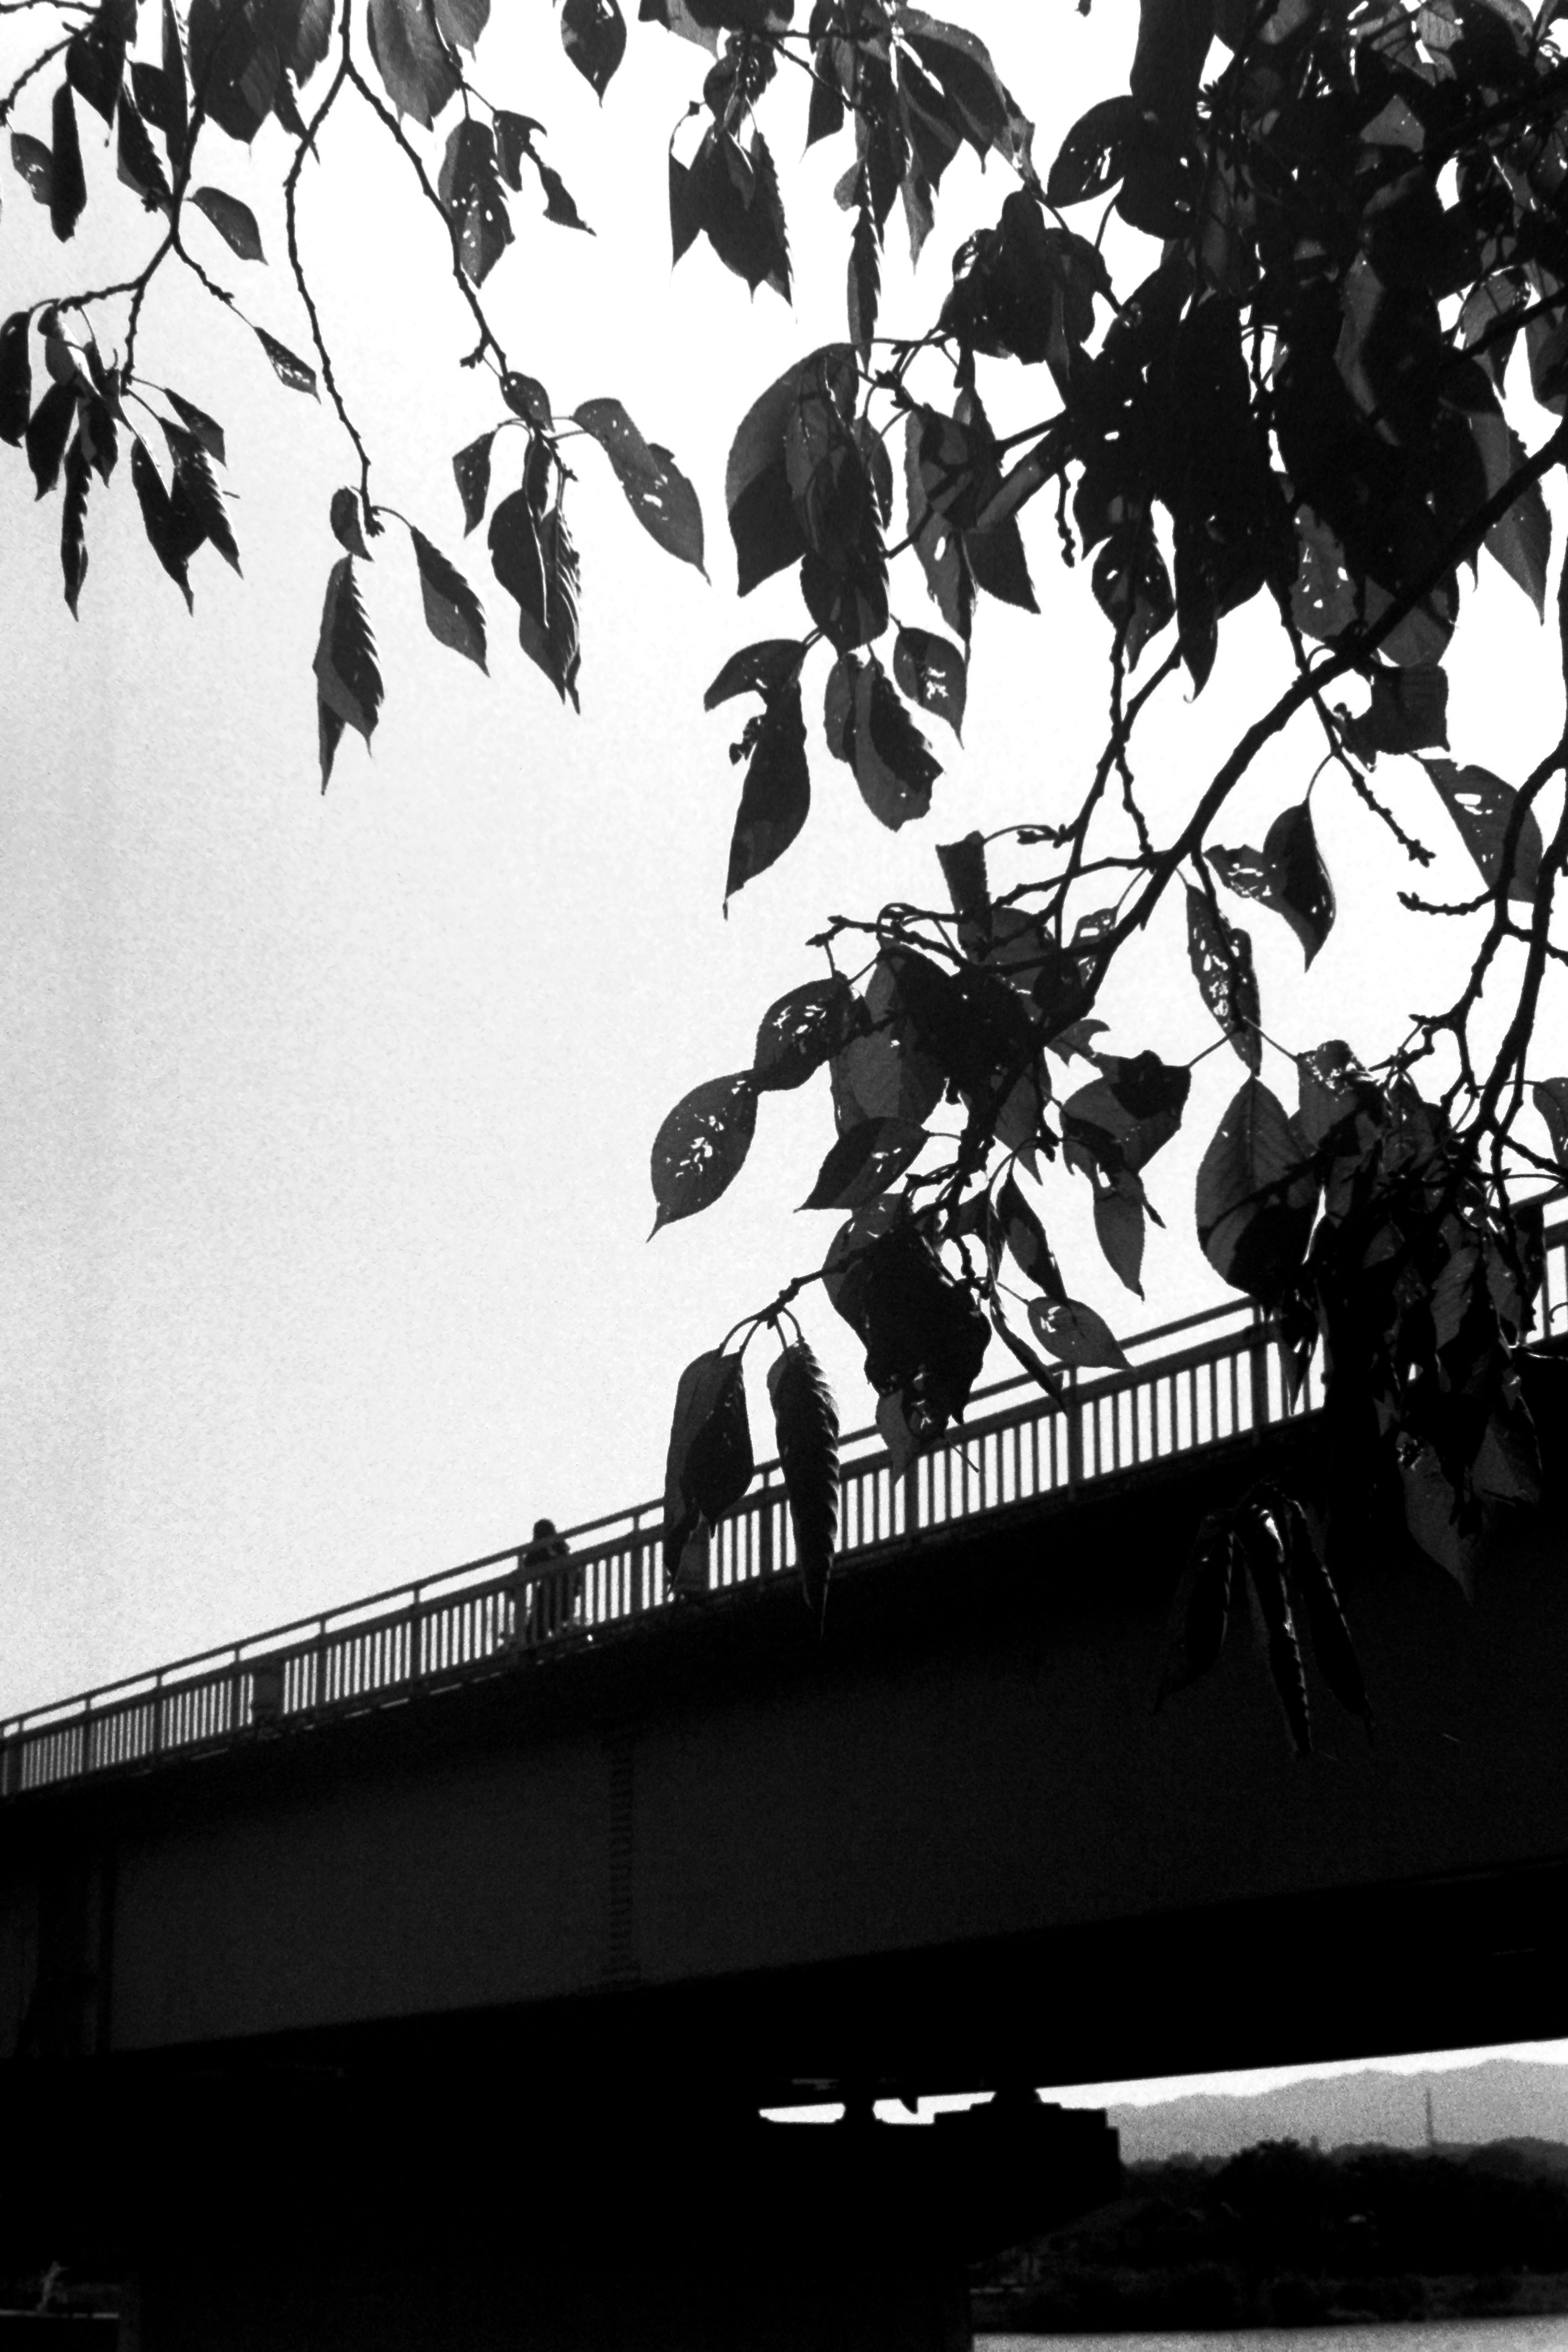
x=386, y=1880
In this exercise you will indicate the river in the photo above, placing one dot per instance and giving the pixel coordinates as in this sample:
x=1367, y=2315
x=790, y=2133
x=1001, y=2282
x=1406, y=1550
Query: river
x=1537, y=2334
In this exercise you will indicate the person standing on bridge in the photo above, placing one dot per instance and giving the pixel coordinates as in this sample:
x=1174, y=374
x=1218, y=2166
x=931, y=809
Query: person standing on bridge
x=533, y=1584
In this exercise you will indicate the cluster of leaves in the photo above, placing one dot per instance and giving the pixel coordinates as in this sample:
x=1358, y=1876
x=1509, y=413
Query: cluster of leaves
x=1348, y=236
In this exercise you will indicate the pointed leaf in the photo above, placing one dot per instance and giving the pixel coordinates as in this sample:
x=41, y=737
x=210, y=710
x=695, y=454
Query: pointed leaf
x=593, y=34
x=329, y=733
x=1075, y=1333
x=1261, y=1550
x=67, y=187
x=235, y=221
x=1289, y=875
x=1201, y=1610
x=344, y=517
x=16, y=377
x=157, y=521
x=472, y=468
x=760, y=669
x=699, y=1150
x=709, y=1465
x=347, y=677
x=1482, y=806
x=806, y=1422
x=775, y=800
x=516, y=556
x=95, y=60
x=290, y=371
x=526, y=397
x=137, y=161
x=933, y=673
x=452, y=611
x=1119, y=1227
x=658, y=492
x=73, y=520
x=32, y=159
x=1549, y=1097
x=1521, y=542
x=209, y=433
x=1221, y=957
x=864, y=1162
x=414, y=62
x=1257, y=1195
x=49, y=430
x=803, y=1031
x=196, y=499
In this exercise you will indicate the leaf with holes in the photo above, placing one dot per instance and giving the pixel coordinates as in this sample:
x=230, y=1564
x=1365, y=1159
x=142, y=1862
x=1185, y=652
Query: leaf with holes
x=1257, y=1195
x=701, y=1147
x=235, y=221
x=289, y=370
x=805, y=1421
x=801, y=1032
x=761, y=668
x=658, y=492
x=206, y=430
x=453, y=614
x=471, y=192
x=593, y=36
x=32, y=159
x=1093, y=156
x=471, y=470
x=1075, y=1333
x=933, y=672
x=347, y=678
x=1288, y=875
x=1221, y=957
x=1483, y=808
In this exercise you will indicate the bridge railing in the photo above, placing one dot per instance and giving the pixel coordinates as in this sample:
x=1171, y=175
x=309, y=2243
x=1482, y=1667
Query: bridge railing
x=1191, y=1384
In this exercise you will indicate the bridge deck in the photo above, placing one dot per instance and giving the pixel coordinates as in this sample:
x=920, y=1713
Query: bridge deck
x=1200, y=1382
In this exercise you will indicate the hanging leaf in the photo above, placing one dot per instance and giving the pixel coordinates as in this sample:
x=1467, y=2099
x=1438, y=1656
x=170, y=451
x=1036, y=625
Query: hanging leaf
x=1257, y=1196
x=453, y=614
x=699, y=1150
x=471, y=466
x=33, y=161
x=1201, y=1609
x=516, y=556
x=776, y=799
x=550, y=639
x=1482, y=806
x=16, y=377
x=1288, y=875
x=1093, y=156
x=526, y=397
x=1075, y=1333
x=868, y=726
x=137, y=163
x=933, y=672
x=1016, y=1225
x=803, y=1031
x=73, y=520
x=1120, y=1222
x=865, y=276
x=1221, y=958
x=593, y=34
x=164, y=536
x=414, y=62
x=1312, y=1592
x=1521, y=541
x=1264, y=1561
x=658, y=492
x=709, y=1464
x=289, y=371
x=1409, y=712
x=68, y=186
x=471, y=194
x=235, y=221
x=766, y=530
x=1549, y=1097
x=196, y=499
x=347, y=677
x=864, y=1162
x=95, y=59
x=1049, y=1380
x=344, y=517
x=806, y=1421
x=209, y=433
x=49, y=430
x=760, y=669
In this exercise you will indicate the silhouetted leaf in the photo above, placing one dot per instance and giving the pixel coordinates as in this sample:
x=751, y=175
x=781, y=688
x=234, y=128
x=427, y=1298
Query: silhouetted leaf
x=95, y=59
x=709, y=1464
x=196, y=499
x=766, y=530
x=1312, y=1590
x=16, y=377
x=699, y=1150
x=1409, y=712
x=1119, y=1225
x=550, y=639
x=347, y=677
x=1092, y=157
x=1288, y=875
x=516, y=557
x=137, y=160
x=1257, y=1195
x=32, y=159
x=865, y=279
x=864, y=1161
x=1075, y=1333
x=73, y=520
x=1482, y=806
x=411, y=57
x=526, y=397
x=776, y=799
x=593, y=34
x=1018, y=1226
x=289, y=370
x=164, y=536
x=806, y=1421
x=344, y=517
x=471, y=466
x=1049, y=1380
x=48, y=433
x=67, y=187
x=471, y=192
x=452, y=611
x=933, y=673
x=235, y=221
x=1261, y=1550
x=755, y=669
x=1549, y=1097
x=1522, y=542
x=868, y=726
x=803, y=1031
x=1201, y=1610
x=1221, y=958
x=658, y=492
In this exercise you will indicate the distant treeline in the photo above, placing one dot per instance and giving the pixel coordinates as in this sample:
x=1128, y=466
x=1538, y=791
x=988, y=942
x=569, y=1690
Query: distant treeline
x=1283, y=2235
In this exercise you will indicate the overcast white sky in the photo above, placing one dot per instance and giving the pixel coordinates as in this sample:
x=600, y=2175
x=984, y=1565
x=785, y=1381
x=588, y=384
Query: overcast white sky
x=326, y=1122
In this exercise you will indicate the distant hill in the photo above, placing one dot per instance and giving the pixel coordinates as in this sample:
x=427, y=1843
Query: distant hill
x=1498, y=2099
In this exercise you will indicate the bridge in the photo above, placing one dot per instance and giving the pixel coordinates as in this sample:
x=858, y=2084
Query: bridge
x=620, y=1853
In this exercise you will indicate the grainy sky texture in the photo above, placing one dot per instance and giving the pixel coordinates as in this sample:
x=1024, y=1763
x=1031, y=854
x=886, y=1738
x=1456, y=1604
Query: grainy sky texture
x=326, y=1121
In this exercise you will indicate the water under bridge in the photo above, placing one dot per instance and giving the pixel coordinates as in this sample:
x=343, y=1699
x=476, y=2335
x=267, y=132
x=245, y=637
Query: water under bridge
x=606, y=1844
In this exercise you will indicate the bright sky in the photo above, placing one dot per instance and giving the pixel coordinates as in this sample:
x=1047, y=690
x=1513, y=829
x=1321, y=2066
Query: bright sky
x=326, y=1122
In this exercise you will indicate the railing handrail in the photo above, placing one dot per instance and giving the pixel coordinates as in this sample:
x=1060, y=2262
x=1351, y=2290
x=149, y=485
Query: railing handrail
x=643, y=1521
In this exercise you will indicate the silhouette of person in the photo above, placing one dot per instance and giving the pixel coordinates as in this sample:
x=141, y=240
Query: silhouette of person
x=534, y=1589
